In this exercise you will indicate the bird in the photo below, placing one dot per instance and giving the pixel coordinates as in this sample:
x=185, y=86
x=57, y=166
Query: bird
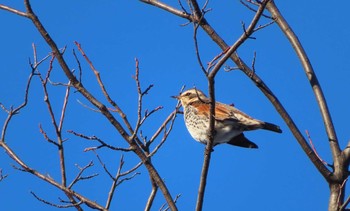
x=229, y=122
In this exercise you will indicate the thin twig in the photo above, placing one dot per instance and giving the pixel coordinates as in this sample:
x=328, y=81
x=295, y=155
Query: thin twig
x=264, y=25
x=170, y=118
x=56, y=205
x=167, y=208
x=253, y=62
x=182, y=7
x=64, y=108
x=196, y=46
x=95, y=138
x=2, y=176
x=341, y=192
x=168, y=8
x=81, y=171
x=212, y=63
x=86, y=106
x=139, y=103
x=151, y=196
x=149, y=113
x=252, y=9
x=314, y=149
x=17, y=12
x=48, y=139
x=116, y=180
x=79, y=66
x=13, y=111
x=345, y=204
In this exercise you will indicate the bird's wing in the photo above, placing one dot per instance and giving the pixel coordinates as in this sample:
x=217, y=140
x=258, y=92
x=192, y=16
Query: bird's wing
x=229, y=113
x=225, y=112
x=222, y=111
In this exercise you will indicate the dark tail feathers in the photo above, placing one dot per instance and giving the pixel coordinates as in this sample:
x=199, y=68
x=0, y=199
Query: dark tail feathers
x=271, y=127
x=242, y=141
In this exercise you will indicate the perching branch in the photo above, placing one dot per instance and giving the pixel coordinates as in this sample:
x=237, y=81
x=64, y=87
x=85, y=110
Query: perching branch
x=211, y=81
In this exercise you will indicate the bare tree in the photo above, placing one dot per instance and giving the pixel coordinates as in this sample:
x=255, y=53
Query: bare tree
x=335, y=174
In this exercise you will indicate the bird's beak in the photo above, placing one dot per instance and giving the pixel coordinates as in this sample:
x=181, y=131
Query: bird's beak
x=176, y=97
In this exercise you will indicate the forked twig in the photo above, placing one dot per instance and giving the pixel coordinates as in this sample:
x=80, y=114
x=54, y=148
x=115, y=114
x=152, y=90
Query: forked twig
x=2, y=176
x=13, y=111
x=81, y=171
x=117, y=180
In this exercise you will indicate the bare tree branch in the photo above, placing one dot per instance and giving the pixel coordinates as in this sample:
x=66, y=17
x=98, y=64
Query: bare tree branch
x=167, y=8
x=314, y=149
x=13, y=111
x=103, y=144
x=17, y=12
x=287, y=30
x=48, y=139
x=140, y=93
x=151, y=197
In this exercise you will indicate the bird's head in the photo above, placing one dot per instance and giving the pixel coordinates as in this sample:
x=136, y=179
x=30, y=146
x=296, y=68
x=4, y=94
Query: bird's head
x=190, y=96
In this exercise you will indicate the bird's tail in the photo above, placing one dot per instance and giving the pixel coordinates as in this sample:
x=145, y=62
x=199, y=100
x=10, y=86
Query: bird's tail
x=271, y=127
x=242, y=141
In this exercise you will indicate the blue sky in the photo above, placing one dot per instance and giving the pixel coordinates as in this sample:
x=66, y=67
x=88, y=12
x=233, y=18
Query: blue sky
x=277, y=176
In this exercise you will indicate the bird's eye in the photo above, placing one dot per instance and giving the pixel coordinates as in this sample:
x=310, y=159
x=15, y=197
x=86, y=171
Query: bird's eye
x=187, y=94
